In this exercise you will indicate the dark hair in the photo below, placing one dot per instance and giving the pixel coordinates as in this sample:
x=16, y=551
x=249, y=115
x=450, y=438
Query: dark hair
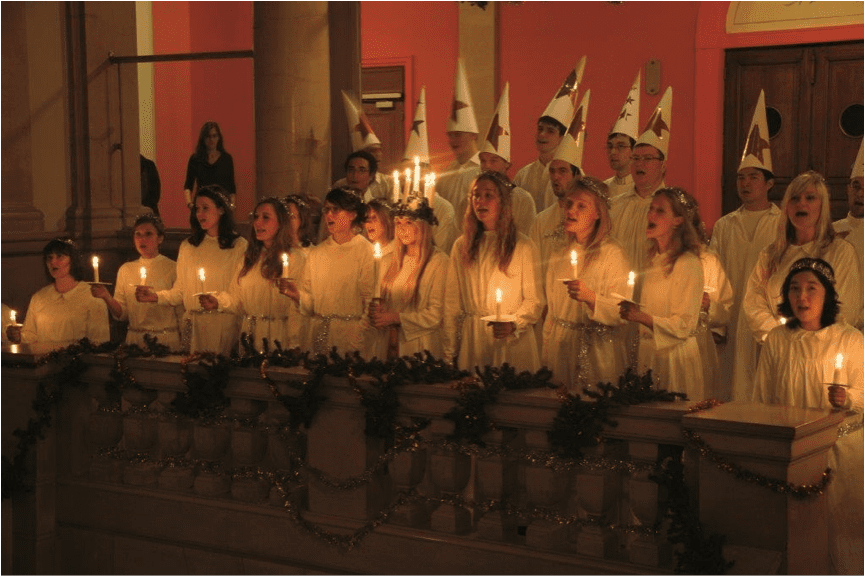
x=831, y=304
x=659, y=151
x=373, y=163
x=65, y=247
x=272, y=265
x=150, y=218
x=615, y=134
x=226, y=233
x=767, y=174
x=553, y=122
x=306, y=230
x=348, y=200
x=201, y=147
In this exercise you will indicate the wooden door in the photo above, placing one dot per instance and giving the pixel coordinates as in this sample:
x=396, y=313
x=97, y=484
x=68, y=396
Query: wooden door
x=384, y=104
x=814, y=109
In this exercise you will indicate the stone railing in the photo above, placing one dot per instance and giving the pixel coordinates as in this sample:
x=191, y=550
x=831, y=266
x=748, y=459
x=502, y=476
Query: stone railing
x=198, y=497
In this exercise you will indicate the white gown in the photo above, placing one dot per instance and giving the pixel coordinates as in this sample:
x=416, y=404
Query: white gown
x=850, y=229
x=628, y=215
x=671, y=349
x=762, y=296
x=534, y=178
x=470, y=294
x=582, y=347
x=617, y=186
x=264, y=312
x=162, y=322
x=547, y=231
x=453, y=184
x=445, y=232
x=794, y=364
x=209, y=331
x=336, y=286
x=716, y=284
x=55, y=320
x=420, y=322
x=738, y=251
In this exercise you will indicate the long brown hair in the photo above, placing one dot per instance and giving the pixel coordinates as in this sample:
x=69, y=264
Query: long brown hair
x=426, y=246
x=598, y=191
x=271, y=266
x=684, y=238
x=506, y=230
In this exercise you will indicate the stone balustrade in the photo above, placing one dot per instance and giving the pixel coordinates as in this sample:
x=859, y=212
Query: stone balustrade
x=217, y=496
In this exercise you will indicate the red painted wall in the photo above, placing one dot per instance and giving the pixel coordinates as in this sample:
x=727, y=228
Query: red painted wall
x=187, y=94
x=428, y=34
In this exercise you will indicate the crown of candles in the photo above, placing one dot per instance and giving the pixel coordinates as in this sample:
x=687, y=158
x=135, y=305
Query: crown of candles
x=417, y=208
x=411, y=184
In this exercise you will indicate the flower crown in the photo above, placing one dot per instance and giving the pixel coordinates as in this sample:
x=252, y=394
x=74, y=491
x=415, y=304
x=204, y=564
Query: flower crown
x=814, y=264
x=296, y=199
x=150, y=217
x=502, y=180
x=594, y=186
x=218, y=191
x=689, y=203
x=417, y=208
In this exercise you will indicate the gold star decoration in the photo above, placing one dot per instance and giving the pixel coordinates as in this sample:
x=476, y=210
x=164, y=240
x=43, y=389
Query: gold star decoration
x=569, y=86
x=624, y=113
x=457, y=105
x=656, y=123
x=415, y=127
x=756, y=145
x=577, y=125
x=629, y=100
x=495, y=131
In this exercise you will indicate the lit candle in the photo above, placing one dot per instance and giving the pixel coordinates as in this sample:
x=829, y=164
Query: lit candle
x=285, y=265
x=201, y=278
x=13, y=349
x=143, y=273
x=498, y=304
x=631, y=277
x=407, y=182
x=416, y=185
x=395, y=186
x=574, y=262
x=12, y=316
x=431, y=189
x=376, y=254
x=839, y=365
x=95, y=269
x=783, y=320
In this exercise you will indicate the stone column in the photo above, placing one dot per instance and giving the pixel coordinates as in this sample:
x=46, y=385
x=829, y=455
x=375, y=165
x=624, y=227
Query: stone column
x=292, y=97
x=345, y=74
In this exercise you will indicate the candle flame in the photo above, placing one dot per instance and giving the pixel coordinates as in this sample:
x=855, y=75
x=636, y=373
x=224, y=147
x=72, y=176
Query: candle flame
x=376, y=250
x=573, y=258
x=783, y=320
x=839, y=361
x=631, y=277
x=498, y=295
x=417, y=160
x=201, y=274
x=143, y=273
x=285, y=259
x=95, y=262
x=13, y=315
x=408, y=174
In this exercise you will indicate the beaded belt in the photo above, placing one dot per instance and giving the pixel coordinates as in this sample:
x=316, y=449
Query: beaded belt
x=586, y=331
x=186, y=335
x=848, y=428
x=173, y=329
x=323, y=336
x=253, y=321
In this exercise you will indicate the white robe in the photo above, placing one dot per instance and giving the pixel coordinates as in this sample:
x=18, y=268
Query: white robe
x=380, y=187
x=671, y=349
x=763, y=293
x=794, y=364
x=420, y=322
x=453, y=184
x=547, y=231
x=55, y=320
x=445, y=232
x=336, y=286
x=211, y=331
x=850, y=229
x=738, y=251
x=471, y=293
x=264, y=312
x=617, y=186
x=162, y=322
x=582, y=347
x=534, y=178
x=628, y=215
x=716, y=284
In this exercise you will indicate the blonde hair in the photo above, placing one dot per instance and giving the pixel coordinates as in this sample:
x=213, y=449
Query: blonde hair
x=786, y=234
x=506, y=230
x=685, y=237
x=598, y=191
x=426, y=246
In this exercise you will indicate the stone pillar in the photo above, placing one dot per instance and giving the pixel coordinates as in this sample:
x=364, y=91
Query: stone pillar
x=785, y=443
x=292, y=97
x=478, y=37
x=345, y=74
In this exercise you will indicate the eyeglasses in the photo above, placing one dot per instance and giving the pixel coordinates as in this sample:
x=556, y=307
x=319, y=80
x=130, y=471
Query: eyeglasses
x=644, y=158
x=620, y=147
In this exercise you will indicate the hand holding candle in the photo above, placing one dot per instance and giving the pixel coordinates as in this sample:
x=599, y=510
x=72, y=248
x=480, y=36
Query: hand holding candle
x=95, y=269
x=285, y=265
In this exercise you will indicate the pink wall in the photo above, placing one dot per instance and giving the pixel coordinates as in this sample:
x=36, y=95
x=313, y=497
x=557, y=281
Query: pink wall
x=187, y=94
x=428, y=34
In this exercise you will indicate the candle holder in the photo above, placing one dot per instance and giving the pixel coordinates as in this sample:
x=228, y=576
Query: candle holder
x=622, y=299
x=500, y=319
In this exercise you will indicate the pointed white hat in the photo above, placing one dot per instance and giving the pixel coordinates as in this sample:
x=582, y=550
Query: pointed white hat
x=628, y=121
x=418, y=144
x=462, y=117
x=359, y=127
x=857, y=166
x=564, y=103
x=570, y=149
x=498, y=139
x=657, y=130
x=757, y=153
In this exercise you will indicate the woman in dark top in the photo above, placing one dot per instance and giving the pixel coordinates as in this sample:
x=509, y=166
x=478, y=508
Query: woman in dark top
x=209, y=164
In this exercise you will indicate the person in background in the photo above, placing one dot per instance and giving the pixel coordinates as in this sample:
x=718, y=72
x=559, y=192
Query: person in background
x=798, y=361
x=151, y=187
x=620, y=142
x=63, y=312
x=363, y=138
x=378, y=228
x=150, y=269
x=209, y=164
x=850, y=228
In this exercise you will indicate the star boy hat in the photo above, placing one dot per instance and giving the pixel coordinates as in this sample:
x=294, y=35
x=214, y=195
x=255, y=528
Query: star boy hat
x=498, y=139
x=628, y=121
x=359, y=128
x=462, y=117
x=757, y=153
x=564, y=103
x=657, y=130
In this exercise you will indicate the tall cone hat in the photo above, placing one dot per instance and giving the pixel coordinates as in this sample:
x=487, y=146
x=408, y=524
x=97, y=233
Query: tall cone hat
x=570, y=149
x=564, y=103
x=857, y=166
x=757, y=153
x=359, y=128
x=462, y=117
x=418, y=143
x=628, y=121
x=498, y=139
x=657, y=130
